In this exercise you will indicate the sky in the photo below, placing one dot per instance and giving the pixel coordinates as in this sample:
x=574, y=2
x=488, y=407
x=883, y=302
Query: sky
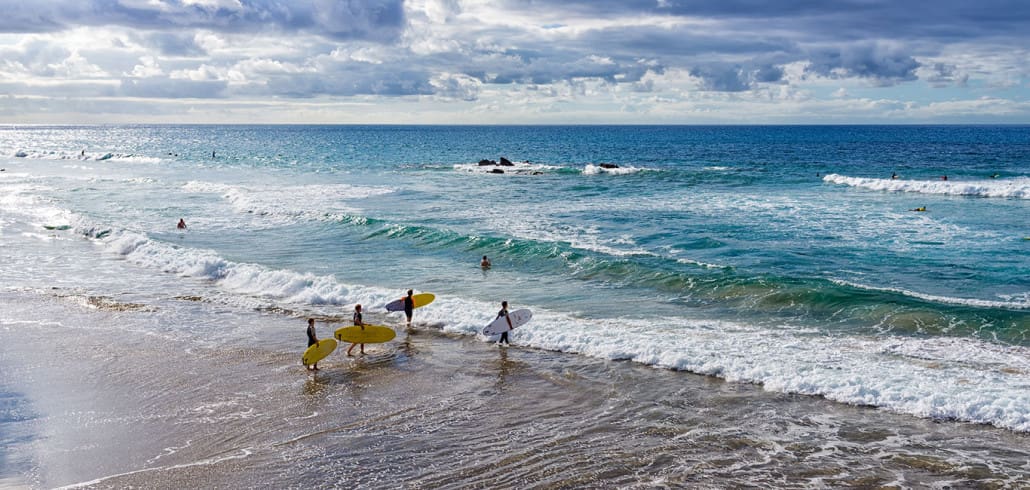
x=515, y=62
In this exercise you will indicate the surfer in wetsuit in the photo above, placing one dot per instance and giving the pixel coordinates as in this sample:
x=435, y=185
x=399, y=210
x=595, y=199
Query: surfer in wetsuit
x=181, y=225
x=485, y=263
x=359, y=323
x=920, y=209
x=504, y=313
x=409, y=306
x=312, y=340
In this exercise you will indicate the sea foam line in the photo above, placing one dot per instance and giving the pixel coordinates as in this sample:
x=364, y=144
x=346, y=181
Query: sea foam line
x=1017, y=187
x=979, y=303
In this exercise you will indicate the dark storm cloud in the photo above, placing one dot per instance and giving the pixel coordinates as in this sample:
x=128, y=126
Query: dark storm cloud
x=379, y=20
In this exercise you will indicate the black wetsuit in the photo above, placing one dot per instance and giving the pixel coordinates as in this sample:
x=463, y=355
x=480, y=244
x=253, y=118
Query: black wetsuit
x=357, y=318
x=311, y=336
x=409, y=306
x=504, y=334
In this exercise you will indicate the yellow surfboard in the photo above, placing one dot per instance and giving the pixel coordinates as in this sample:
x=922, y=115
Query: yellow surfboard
x=372, y=334
x=420, y=300
x=318, y=351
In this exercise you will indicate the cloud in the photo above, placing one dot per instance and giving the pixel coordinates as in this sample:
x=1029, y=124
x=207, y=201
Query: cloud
x=880, y=63
x=546, y=58
x=377, y=20
x=160, y=87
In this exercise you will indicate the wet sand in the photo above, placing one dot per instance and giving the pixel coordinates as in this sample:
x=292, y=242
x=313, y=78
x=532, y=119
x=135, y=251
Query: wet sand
x=116, y=403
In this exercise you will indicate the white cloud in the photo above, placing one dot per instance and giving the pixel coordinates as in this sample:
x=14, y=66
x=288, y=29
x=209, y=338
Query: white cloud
x=147, y=67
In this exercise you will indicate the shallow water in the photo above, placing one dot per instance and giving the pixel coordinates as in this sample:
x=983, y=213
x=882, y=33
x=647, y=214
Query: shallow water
x=112, y=409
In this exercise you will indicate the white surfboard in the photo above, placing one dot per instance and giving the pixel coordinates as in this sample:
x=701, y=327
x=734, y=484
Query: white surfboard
x=500, y=325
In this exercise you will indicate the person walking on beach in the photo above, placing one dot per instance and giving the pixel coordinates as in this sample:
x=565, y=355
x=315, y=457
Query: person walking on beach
x=409, y=306
x=181, y=225
x=359, y=323
x=485, y=263
x=312, y=340
x=504, y=313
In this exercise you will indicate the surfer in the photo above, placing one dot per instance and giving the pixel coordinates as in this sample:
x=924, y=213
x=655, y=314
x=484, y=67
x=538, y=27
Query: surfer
x=312, y=340
x=358, y=323
x=504, y=313
x=182, y=226
x=894, y=175
x=944, y=177
x=920, y=209
x=485, y=263
x=409, y=306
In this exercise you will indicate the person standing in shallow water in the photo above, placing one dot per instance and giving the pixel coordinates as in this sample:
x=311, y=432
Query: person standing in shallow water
x=181, y=225
x=504, y=335
x=409, y=306
x=312, y=340
x=357, y=322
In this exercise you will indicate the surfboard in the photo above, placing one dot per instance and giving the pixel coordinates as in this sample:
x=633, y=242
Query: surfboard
x=420, y=299
x=500, y=325
x=318, y=351
x=372, y=334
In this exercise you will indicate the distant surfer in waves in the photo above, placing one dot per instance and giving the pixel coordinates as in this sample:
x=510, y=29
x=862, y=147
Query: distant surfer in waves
x=894, y=175
x=358, y=323
x=504, y=335
x=312, y=340
x=920, y=209
x=485, y=263
x=181, y=225
x=409, y=306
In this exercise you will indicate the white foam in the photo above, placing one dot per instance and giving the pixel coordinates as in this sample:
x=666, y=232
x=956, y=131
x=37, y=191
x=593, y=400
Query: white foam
x=78, y=155
x=1013, y=303
x=861, y=371
x=1018, y=187
x=287, y=203
x=518, y=168
x=591, y=169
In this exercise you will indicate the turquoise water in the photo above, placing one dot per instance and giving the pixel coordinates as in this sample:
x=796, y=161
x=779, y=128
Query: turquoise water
x=783, y=256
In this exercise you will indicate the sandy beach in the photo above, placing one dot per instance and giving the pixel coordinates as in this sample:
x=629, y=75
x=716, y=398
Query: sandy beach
x=105, y=407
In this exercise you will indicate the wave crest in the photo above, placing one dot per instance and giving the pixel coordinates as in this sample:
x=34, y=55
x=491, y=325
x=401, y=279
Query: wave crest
x=1018, y=187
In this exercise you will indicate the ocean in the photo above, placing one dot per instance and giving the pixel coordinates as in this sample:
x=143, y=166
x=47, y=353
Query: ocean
x=712, y=305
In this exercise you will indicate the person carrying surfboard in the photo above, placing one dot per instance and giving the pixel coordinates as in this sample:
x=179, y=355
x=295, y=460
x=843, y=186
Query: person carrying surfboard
x=312, y=340
x=358, y=323
x=504, y=313
x=409, y=306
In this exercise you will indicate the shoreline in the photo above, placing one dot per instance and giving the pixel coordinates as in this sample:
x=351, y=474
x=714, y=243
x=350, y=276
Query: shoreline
x=114, y=407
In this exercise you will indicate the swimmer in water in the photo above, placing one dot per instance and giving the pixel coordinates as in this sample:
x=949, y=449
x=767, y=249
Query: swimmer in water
x=920, y=209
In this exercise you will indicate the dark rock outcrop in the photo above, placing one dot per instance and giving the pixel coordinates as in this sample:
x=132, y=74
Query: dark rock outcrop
x=497, y=171
x=506, y=163
x=484, y=162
